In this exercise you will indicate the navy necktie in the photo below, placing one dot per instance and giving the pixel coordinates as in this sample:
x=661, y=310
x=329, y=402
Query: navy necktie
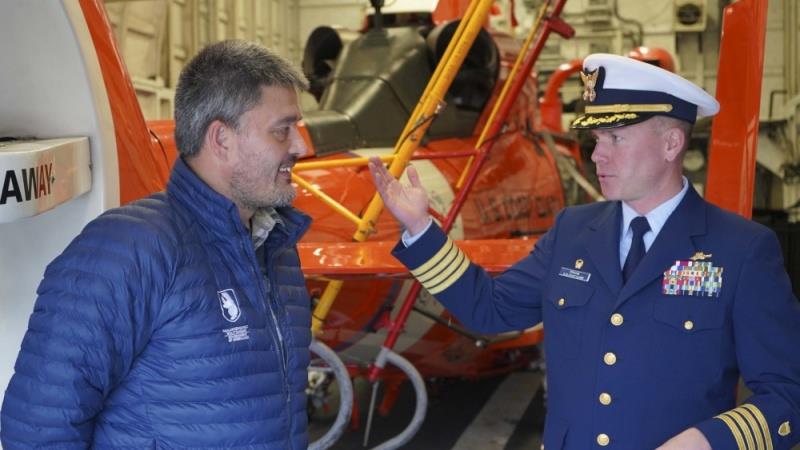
x=639, y=226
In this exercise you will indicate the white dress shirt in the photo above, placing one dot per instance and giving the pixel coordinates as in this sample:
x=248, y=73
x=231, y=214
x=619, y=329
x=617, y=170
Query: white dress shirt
x=656, y=218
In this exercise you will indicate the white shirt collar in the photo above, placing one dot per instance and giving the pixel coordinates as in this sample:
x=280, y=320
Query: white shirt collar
x=656, y=218
x=262, y=223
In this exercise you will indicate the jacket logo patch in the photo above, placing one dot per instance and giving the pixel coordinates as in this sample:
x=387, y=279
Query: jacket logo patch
x=229, y=305
x=237, y=334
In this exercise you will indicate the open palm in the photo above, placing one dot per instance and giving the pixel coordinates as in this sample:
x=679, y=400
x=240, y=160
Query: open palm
x=407, y=203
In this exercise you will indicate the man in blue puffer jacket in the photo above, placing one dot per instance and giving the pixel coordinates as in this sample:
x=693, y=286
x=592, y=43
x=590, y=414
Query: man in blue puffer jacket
x=182, y=320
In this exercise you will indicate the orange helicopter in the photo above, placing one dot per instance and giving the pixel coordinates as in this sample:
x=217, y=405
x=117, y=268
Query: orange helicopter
x=495, y=160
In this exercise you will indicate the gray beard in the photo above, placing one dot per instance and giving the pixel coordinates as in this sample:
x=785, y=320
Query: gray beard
x=274, y=200
x=253, y=201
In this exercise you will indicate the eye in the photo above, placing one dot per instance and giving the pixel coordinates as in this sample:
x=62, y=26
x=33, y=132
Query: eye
x=281, y=133
x=615, y=138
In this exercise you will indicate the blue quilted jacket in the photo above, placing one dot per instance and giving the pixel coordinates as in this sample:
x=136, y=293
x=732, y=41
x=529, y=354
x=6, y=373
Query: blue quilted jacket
x=156, y=329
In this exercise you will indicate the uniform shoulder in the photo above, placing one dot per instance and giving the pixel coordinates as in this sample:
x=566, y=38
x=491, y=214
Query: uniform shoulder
x=124, y=252
x=155, y=217
x=588, y=211
x=721, y=220
x=150, y=226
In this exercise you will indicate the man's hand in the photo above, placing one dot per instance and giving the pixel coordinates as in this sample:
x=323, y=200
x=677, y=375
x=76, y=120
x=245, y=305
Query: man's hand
x=408, y=204
x=691, y=439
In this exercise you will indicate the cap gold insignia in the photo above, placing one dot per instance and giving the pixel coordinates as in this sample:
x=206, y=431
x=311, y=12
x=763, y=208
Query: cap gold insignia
x=700, y=256
x=578, y=263
x=589, y=83
x=784, y=429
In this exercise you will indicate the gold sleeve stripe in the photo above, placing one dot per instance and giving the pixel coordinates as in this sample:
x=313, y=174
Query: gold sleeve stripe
x=435, y=272
x=452, y=279
x=746, y=429
x=758, y=434
x=737, y=433
x=429, y=264
x=761, y=421
x=446, y=270
x=443, y=269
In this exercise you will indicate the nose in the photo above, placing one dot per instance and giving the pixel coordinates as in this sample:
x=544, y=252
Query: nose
x=599, y=153
x=298, y=148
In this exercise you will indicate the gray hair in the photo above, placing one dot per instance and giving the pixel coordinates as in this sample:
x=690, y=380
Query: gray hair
x=663, y=123
x=222, y=82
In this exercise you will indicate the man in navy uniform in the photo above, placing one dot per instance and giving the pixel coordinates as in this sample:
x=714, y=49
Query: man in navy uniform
x=654, y=303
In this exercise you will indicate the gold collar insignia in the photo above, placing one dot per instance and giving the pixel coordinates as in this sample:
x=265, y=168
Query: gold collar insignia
x=700, y=256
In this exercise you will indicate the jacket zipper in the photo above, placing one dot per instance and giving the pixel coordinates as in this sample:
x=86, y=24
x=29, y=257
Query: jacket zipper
x=268, y=300
x=284, y=357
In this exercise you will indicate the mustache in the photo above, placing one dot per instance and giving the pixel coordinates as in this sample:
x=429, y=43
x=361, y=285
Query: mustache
x=291, y=161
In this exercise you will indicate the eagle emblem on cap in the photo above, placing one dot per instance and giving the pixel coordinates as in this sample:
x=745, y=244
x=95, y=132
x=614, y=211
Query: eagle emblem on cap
x=589, y=82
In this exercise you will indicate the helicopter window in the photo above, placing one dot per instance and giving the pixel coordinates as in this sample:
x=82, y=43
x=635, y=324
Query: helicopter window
x=475, y=81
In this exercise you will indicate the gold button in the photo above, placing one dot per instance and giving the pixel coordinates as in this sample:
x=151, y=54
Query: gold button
x=784, y=429
x=688, y=325
x=603, y=439
x=617, y=319
x=605, y=398
x=610, y=358
x=561, y=301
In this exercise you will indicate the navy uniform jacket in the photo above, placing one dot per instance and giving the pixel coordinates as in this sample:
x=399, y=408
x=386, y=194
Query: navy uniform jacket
x=628, y=365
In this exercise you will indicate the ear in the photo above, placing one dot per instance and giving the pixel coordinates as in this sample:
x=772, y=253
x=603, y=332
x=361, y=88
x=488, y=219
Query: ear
x=219, y=140
x=673, y=140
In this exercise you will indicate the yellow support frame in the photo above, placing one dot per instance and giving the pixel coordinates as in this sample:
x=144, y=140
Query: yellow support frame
x=431, y=102
x=504, y=91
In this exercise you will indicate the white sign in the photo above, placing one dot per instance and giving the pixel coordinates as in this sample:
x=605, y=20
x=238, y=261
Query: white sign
x=38, y=175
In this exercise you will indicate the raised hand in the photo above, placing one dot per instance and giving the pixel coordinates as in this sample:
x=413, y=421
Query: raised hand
x=408, y=204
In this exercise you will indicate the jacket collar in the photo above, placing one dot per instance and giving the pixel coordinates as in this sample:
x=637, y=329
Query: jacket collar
x=673, y=242
x=218, y=214
x=602, y=243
